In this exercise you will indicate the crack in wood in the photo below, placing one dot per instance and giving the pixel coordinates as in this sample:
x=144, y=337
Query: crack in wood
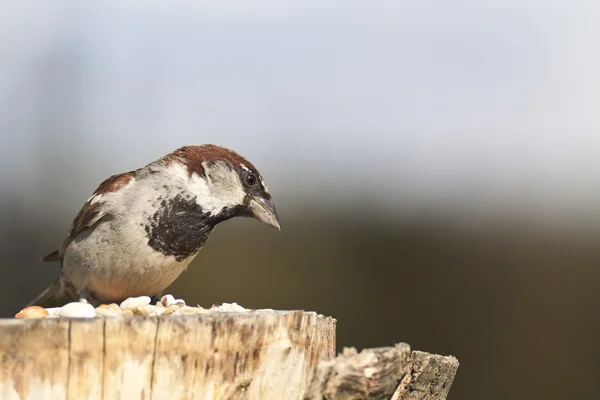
x=69, y=355
x=152, y=373
x=103, y=372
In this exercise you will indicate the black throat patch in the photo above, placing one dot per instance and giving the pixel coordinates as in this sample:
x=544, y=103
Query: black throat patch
x=180, y=227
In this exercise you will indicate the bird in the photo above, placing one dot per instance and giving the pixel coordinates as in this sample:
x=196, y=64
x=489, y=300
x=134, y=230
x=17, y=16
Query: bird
x=141, y=229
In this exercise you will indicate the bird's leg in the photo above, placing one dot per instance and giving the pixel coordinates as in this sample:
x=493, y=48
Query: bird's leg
x=156, y=298
x=89, y=297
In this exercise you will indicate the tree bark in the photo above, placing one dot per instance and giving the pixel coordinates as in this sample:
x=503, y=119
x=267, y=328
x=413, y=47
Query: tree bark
x=382, y=374
x=428, y=377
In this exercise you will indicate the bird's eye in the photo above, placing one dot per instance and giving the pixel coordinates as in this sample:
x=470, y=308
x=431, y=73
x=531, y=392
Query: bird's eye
x=251, y=180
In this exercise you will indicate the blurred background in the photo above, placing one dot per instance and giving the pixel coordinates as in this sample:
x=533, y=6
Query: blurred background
x=435, y=163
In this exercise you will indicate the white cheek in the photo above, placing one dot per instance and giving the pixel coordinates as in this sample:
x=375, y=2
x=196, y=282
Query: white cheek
x=221, y=189
x=199, y=187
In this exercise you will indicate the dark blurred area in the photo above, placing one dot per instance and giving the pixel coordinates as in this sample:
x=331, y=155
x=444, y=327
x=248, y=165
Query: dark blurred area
x=435, y=164
x=518, y=308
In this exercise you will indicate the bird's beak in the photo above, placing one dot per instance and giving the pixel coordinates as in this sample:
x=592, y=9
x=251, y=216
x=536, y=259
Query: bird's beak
x=264, y=211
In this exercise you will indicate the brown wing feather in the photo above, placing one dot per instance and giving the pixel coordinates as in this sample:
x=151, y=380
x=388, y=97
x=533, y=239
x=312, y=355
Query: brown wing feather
x=91, y=214
x=87, y=218
x=115, y=182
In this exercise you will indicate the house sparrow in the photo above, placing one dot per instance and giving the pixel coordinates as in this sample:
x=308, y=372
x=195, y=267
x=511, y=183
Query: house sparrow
x=140, y=229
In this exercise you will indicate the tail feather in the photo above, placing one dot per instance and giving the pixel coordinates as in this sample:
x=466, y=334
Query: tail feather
x=54, y=296
x=54, y=256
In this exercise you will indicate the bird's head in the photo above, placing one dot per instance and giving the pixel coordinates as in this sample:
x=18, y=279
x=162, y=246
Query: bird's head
x=225, y=184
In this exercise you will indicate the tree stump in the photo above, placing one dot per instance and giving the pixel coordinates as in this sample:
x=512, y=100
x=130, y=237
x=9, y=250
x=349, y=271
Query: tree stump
x=250, y=355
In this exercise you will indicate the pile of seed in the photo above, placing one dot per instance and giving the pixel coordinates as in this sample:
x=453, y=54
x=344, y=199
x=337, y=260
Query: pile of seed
x=168, y=305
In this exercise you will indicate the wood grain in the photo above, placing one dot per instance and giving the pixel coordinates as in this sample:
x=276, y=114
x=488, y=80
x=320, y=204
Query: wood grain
x=256, y=355
x=34, y=357
x=217, y=355
x=384, y=373
x=429, y=377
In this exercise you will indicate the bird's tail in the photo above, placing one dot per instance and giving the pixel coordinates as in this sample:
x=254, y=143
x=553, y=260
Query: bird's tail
x=54, y=296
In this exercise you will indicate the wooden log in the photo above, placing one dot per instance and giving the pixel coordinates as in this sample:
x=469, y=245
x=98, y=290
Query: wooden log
x=246, y=355
x=217, y=355
x=382, y=374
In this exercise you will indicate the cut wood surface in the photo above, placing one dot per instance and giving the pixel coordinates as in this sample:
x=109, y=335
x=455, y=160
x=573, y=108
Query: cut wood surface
x=247, y=355
x=250, y=355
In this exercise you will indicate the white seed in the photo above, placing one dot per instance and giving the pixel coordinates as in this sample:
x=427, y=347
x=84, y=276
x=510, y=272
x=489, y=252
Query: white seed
x=77, y=310
x=167, y=300
x=106, y=312
x=189, y=310
x=134, y=302
x=237, y=307
x=53, y=312
x=157, y=311
x=144, y=310
x=114, y=308
x=229, y=307
x=172, y=310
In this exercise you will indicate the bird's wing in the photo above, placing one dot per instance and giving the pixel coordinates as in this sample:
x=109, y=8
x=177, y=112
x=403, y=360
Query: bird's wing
x=92, y=213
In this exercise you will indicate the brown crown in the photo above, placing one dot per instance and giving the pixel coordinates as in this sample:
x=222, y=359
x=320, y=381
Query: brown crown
x=193, y=157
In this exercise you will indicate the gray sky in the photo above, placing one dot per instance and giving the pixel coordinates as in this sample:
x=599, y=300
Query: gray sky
x=415, y=101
